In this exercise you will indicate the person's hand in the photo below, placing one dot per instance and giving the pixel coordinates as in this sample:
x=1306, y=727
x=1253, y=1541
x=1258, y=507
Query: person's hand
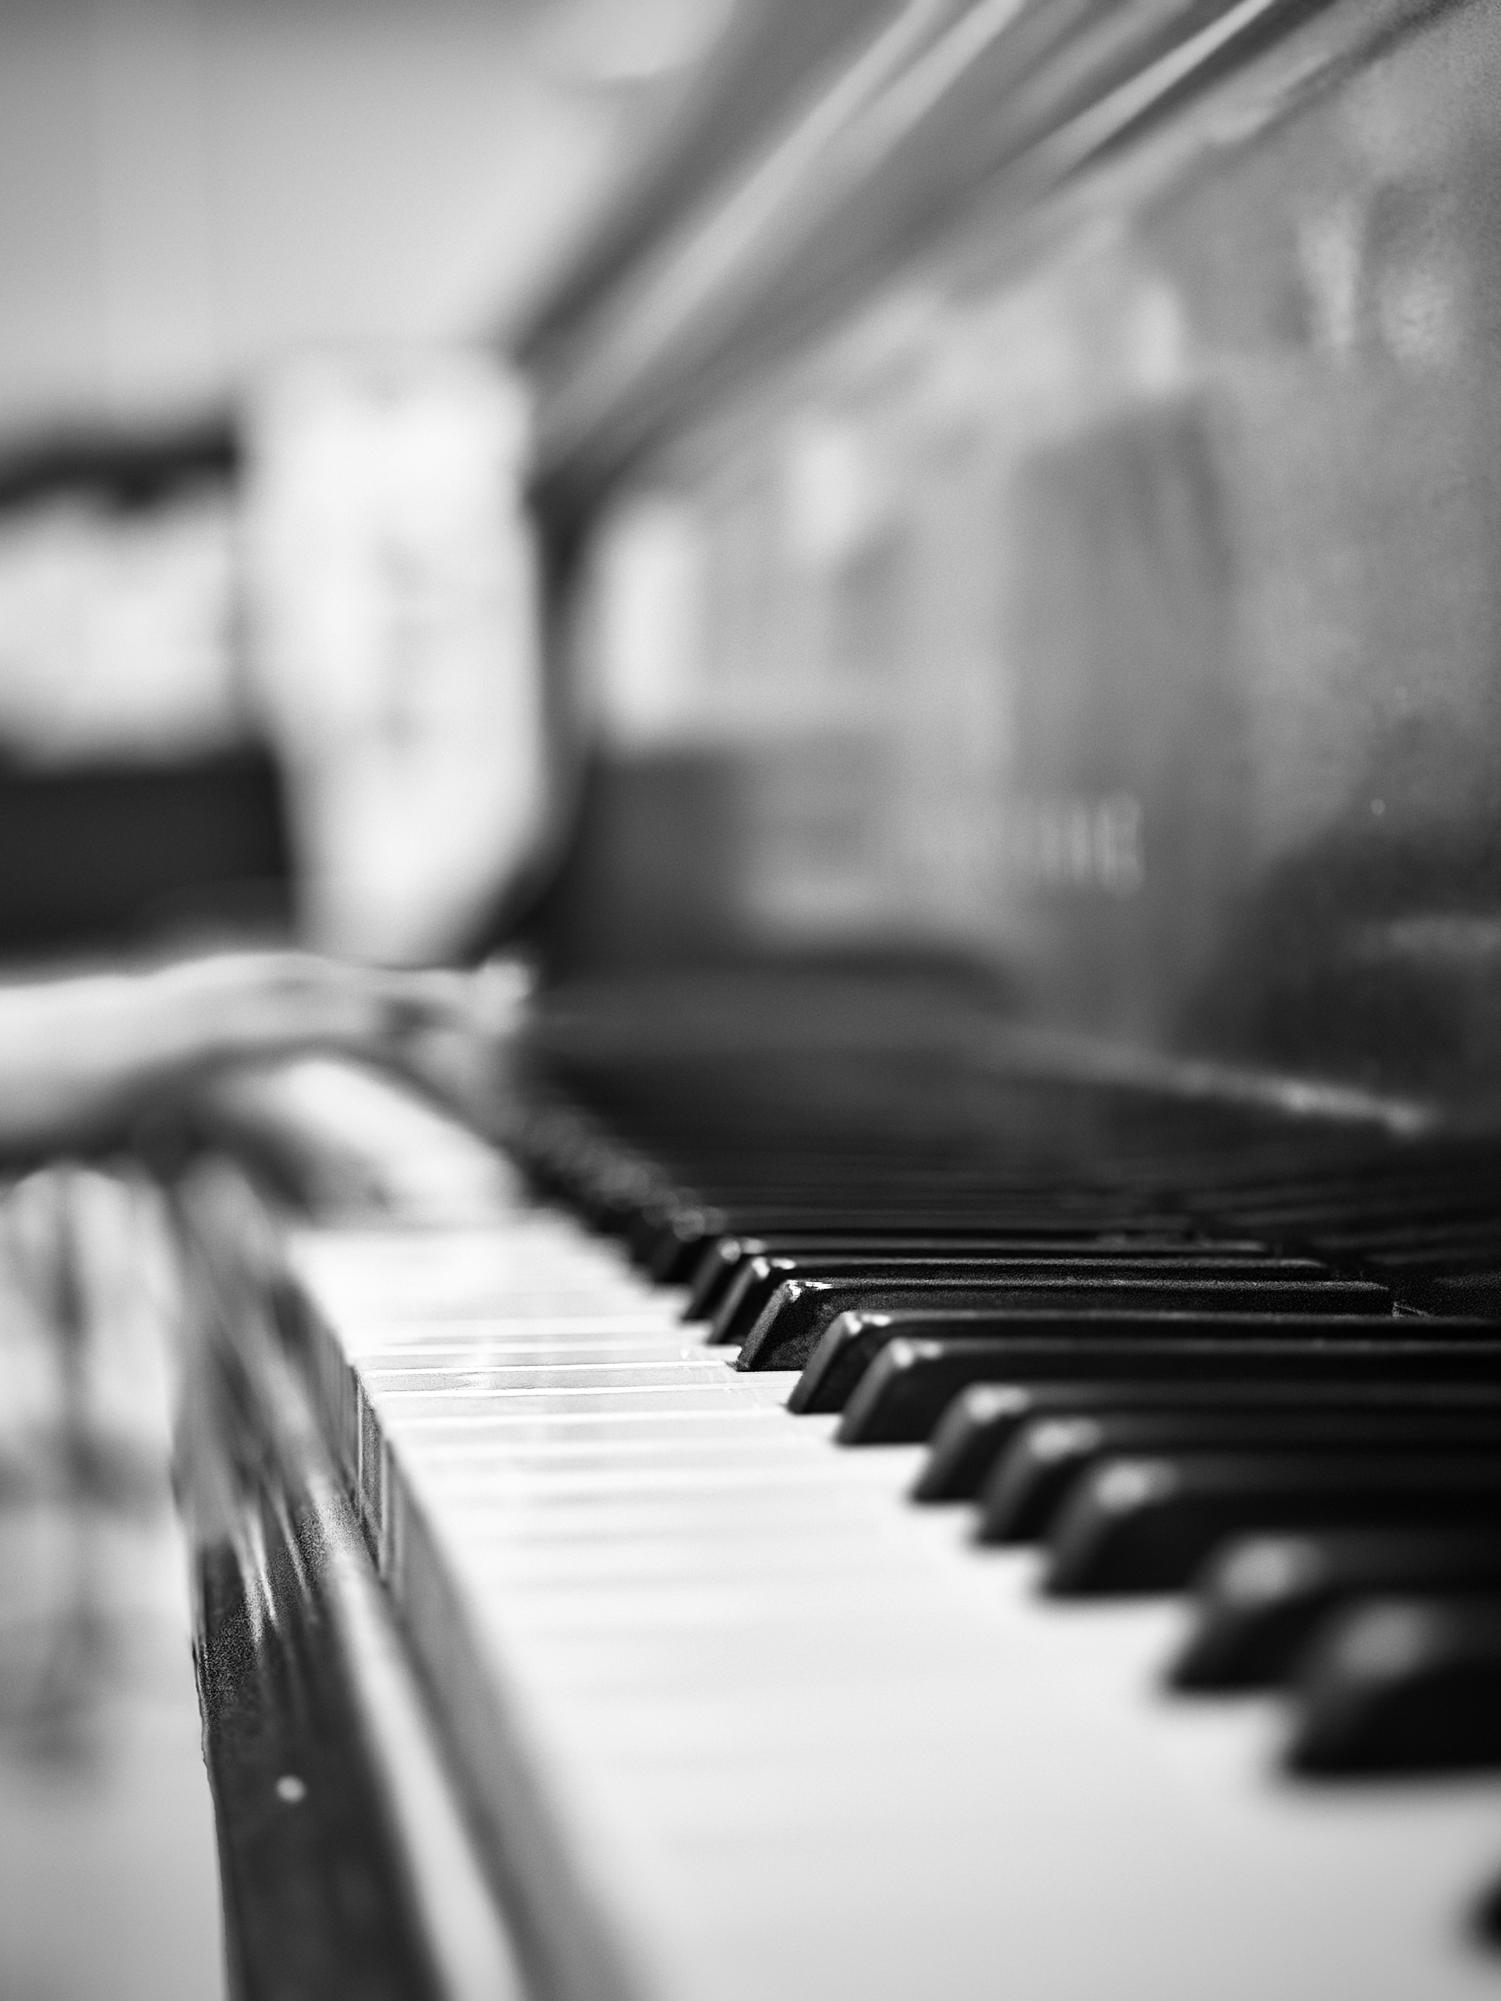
x=80, y=1056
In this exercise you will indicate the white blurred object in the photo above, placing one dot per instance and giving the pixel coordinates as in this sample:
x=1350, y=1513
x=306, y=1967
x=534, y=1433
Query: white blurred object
x=394, y=640
x=116, y=629
x=643, y=641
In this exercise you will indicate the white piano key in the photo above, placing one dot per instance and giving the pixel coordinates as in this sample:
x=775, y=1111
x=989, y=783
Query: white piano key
x=757, y=1727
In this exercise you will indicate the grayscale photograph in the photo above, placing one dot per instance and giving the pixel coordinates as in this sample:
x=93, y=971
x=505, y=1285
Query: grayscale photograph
x=750, y=1000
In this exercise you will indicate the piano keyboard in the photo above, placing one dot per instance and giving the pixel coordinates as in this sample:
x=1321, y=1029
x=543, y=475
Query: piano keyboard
x=742, y=1713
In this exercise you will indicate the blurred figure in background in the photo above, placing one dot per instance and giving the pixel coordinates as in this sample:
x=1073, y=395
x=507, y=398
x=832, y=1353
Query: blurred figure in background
x=385, y=597
x=393, y=642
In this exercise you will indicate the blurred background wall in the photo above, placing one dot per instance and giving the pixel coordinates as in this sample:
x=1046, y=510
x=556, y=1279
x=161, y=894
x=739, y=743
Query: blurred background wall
x=190, y=187
x=193, y=194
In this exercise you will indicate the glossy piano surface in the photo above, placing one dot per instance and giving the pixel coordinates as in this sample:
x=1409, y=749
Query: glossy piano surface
x=1056, y=528
x=731, y=1715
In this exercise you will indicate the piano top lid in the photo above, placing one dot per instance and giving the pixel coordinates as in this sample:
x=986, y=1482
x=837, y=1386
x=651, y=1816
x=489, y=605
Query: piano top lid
x=772, y=54
x=781, y=197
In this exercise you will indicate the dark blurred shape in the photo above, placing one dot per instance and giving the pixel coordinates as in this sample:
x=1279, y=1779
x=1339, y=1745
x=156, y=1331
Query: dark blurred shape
x=134, y=468
x=644, y=878
x=110, y=844
x=136, y=853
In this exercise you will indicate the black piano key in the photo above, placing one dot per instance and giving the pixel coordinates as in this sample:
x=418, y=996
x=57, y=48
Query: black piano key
x=979, y=1424
x=1401, y=1686
x=1328, y=1206
x=1260, y=1601
x=985, y=1417
x=670, y=1253
x=1357, y=1239
x=1486, y=1918
x=909, y=1385
x=794, y=1319
x=760, y=1281
x=683, y=1241
x=1446, y=1259
x=607, y=1186
x=1340, y=1225
x=723, y=1263
x=1147, y=1524
x=1462, y=1292
x=650, y=1224
x=1185, y=1281
x=1190, y=1278
x=1164, y=1307
x=1045, y=1462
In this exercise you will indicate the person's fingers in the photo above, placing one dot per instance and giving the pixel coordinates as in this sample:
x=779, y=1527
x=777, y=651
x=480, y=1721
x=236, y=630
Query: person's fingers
x=250, y=1004
x=79, y=1056
x=485, y=1002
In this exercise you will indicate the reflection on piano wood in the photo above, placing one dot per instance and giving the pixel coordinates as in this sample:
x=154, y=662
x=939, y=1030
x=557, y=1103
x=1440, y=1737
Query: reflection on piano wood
x=1023, y=522
x=107, y=1877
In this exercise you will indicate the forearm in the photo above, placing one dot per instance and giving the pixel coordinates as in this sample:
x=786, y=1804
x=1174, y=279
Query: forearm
x=80, y=1057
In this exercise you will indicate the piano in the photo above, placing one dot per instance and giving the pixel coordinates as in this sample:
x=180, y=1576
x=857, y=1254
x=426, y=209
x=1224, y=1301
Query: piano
x=930, y=1424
